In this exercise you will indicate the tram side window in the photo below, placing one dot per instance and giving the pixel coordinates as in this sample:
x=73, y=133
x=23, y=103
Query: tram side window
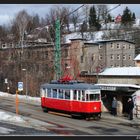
x=60, y=93
x=94, y=97
x=87, y=97
x=67, y=94
x=49, y=93
x=79, y=94
x=43, y=92
x=54, y=93
x=74, y=94
x=83, y=95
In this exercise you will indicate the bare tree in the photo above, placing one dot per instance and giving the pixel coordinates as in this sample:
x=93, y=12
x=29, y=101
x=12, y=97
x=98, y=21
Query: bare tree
x=21, y=21
x=75, y=19
x=85, y=10
x=102, y=12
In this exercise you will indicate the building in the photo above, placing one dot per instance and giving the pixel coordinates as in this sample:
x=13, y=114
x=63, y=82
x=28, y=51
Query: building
x=38, y=60
x=95, y=57
x=78, y=57
x=120, y=75
x=118, y=19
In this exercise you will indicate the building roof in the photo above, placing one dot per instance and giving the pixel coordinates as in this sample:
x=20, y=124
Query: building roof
x=121, y=71
x=115, y=40
x=137, y=57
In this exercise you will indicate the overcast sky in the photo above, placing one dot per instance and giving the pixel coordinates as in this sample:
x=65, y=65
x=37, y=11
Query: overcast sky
x=8, y=11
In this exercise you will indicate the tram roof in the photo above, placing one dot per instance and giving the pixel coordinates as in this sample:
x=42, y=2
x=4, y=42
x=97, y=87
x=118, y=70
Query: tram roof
x=81, y=86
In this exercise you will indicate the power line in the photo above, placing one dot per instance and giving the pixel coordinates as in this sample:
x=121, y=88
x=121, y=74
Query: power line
x=113, y=8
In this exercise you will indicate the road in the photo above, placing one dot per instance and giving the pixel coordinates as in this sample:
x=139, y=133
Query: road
x=64, y=125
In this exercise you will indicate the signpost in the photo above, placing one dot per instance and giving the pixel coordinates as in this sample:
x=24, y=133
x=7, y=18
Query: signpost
x=20, y=86
x=17, y=101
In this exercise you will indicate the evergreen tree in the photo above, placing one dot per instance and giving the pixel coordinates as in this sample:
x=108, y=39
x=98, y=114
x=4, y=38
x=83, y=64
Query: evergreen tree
x=133, y=17
x=83, y=28
x=93, y=21
x=109, y=18
x=127, y=17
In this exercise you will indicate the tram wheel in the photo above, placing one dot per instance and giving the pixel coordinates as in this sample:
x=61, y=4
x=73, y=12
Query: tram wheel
x=98, y=117
x=44, y=109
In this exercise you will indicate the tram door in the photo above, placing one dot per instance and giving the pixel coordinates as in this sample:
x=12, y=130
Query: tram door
x=77, y=100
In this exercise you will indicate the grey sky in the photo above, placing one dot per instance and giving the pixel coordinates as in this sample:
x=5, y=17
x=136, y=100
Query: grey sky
x=8, y=11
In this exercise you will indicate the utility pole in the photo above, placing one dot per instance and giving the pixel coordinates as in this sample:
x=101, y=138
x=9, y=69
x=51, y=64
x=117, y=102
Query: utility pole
x=57, y=50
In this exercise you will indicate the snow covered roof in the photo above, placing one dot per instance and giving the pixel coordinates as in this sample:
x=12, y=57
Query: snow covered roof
x=119, y=85
x=122, y=71
x=137, y=57
x=94, y=36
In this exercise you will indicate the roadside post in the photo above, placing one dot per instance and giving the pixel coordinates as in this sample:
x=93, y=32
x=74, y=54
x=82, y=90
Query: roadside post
x=20, y=88
x=17, y=102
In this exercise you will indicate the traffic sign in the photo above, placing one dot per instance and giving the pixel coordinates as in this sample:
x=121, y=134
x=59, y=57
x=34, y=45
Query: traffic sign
x=20, y=86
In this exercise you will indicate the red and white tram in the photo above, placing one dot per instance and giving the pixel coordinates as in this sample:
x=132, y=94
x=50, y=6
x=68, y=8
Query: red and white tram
x=72, y=97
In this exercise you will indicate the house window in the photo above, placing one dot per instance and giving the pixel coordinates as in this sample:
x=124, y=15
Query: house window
x=118, y=56
x=129, y=46
x=130, y=57
x=11, y=45
x=93, y=57
x=124, y=46
x=124, y=57
x=100, y=57
x=100, y=46
x=111, y=65
x=3, y=45
x=112, y=45
x=112, y=57
x=46, y=54
x=82, y=58
x=118, y=46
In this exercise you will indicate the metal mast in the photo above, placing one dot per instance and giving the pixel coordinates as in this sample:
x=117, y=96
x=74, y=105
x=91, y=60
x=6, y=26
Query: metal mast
x=57, y=50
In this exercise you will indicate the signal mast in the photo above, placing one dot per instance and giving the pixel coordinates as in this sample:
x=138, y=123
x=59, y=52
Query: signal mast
x=58, y=72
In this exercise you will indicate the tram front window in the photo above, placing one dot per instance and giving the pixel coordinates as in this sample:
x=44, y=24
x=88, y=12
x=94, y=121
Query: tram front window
x=93, y=97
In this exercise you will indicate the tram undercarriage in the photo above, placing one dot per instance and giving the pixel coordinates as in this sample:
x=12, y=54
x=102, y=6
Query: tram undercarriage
x=76, y=115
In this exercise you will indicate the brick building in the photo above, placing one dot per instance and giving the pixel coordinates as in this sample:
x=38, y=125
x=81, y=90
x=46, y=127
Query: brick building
x=79, y=56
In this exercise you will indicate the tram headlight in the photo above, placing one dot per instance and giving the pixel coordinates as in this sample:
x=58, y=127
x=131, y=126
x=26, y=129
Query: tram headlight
x=95, y=108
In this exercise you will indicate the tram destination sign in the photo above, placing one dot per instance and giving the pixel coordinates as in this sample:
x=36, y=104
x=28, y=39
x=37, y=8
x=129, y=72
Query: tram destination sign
x=110, y=88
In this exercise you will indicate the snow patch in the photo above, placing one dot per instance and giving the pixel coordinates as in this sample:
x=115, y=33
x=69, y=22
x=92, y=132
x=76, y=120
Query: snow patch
x=4, y=116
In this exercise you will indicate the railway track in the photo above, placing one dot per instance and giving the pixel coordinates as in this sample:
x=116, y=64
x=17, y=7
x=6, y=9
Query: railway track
x=65, y=124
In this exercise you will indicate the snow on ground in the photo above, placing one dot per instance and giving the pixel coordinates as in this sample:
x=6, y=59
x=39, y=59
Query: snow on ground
x=5, y=116
x=11, y=118
x=24, y=97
